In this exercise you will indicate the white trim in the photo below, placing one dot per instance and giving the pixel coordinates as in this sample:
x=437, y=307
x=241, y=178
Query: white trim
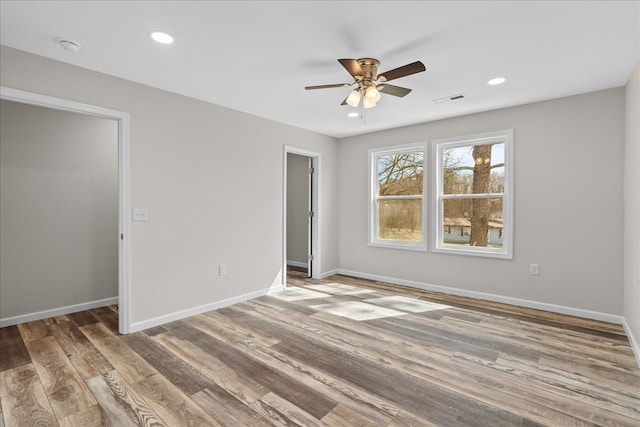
x=297, y=264
x=372, y=217
x=316, y=245
x=45, y=314
x=635, y=344
x=178, y=315
x=506, y=252
x=588, y=314
x=124, y=224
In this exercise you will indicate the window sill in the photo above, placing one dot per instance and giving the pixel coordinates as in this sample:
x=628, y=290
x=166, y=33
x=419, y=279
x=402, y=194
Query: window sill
x=420, y=247
x=470, y=251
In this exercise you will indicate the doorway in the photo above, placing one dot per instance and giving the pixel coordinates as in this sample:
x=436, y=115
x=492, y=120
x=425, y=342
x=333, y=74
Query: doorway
x=300, y=240
x=123, y=228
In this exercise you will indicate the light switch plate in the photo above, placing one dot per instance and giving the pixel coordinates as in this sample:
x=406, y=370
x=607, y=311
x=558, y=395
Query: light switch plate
x=140, y=214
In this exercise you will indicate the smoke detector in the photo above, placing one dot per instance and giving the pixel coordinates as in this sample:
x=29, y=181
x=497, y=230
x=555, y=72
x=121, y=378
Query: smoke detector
x=69, y=45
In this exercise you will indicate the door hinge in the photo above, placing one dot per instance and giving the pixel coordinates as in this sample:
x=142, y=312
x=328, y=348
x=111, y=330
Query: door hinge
x=311, y=170
x=310, y=257
x=121, y=236
x=312, y=214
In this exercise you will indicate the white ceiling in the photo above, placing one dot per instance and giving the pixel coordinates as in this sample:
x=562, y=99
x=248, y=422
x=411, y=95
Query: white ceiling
x=257, y=56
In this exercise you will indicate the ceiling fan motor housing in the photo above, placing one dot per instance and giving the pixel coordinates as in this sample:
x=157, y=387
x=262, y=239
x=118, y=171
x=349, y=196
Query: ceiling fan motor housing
x=370, y=69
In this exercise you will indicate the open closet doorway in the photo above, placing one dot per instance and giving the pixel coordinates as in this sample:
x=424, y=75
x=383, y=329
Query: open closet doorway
x=301, y=211
x=86, y=187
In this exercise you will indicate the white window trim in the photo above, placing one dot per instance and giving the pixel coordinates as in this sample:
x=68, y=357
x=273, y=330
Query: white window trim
x=437, y=145
x=373, y=191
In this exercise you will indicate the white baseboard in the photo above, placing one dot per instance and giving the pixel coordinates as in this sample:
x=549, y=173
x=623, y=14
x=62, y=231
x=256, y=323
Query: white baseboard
x=45, y=314
x=633, y=340
x=298, y=264
x=178, y=315
x=595, y=315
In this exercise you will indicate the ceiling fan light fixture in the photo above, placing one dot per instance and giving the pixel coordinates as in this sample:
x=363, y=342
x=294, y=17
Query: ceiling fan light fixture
x=368, y=103
x=354, y=98
x=372, y=94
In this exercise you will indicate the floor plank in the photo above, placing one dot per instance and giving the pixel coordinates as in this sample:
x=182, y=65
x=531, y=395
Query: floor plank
x=127, y=362
x=181, y=375
x=24, y=402
x=93, y=416
x=84, y=356
x=181, y=340
x=66, y=391
x=14, y=353
x=171, y=404
x=107, y=316
x=275, y=407
x=82, y=318
x=343, y=416
x=35, y=330
x=120, y=404
x=226, y=409
x=300, y=395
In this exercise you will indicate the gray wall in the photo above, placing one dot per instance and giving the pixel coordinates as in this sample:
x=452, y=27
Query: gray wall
x=568, y=205
x=632, y=209
x=297, y=207
x=58, y=209
x=211, y=178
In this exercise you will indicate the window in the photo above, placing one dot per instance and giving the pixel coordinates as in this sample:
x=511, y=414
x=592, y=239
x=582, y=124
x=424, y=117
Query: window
x=473, y=188
x=397, y=209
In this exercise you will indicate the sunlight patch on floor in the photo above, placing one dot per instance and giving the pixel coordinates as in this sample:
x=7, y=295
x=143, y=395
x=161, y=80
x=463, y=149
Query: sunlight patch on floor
x=339, y=289
x=406, y=304
x=299, y=294
x=357, y=310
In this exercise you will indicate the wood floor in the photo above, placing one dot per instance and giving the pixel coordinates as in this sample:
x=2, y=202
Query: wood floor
x=336, y=352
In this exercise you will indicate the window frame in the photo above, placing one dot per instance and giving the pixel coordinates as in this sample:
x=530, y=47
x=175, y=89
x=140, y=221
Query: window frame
x=374, y=154
x=437, y=147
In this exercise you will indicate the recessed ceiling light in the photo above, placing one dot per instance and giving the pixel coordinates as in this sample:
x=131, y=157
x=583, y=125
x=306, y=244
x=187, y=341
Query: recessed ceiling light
x=353, y=114
x=497, y=81
x=161, y=37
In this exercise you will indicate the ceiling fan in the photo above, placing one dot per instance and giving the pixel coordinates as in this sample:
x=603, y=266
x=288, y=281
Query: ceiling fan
x=370, y=84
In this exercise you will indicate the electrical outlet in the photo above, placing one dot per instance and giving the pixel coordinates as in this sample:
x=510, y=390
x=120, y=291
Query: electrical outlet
x=534, y=269
x=222, y=270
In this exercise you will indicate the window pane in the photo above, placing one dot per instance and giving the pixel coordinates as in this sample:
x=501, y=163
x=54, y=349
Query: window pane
x=400, y=220
x=400, y=174
x=473, y=222
x=474, y=169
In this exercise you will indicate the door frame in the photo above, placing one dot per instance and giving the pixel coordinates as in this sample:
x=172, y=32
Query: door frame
x=124, y=173
x=315, y=220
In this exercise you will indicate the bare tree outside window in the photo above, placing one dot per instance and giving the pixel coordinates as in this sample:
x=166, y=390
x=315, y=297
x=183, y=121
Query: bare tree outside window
x=399, y=194
x=473, y=190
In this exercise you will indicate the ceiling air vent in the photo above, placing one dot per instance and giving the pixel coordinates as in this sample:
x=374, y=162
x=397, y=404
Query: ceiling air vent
x=449, y=98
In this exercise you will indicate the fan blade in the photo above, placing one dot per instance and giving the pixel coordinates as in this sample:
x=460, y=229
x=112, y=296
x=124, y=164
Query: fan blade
x=327, y=86
x=405, y=70
x=352, y=66
x=393, y=90
x=345, y=101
